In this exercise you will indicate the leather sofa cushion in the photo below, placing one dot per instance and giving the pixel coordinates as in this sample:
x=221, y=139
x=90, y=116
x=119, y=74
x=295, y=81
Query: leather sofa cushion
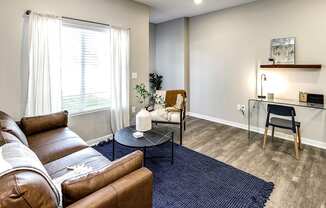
x=7, y=124
x=87, y=156
x=38, y=124
x=54, y=144
x=79, y=187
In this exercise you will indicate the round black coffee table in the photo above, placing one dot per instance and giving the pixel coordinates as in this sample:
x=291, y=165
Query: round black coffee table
x=157, y=136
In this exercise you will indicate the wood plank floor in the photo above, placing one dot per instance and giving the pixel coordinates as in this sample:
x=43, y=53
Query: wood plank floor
x=298, y=184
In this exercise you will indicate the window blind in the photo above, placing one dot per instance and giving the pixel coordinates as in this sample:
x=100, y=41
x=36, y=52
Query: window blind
x=85, y=72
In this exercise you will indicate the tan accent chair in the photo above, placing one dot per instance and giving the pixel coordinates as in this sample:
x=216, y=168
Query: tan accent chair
x=115, y=184
x=174, y=115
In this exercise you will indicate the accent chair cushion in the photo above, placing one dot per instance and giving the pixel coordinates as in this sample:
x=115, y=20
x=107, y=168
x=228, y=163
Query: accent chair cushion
x=165, y=115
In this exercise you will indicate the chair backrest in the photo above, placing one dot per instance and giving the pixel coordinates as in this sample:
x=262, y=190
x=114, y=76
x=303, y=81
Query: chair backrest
x=171, y=97
x=281, y=110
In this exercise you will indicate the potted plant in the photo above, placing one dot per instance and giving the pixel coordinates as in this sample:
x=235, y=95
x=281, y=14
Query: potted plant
x=155, y=81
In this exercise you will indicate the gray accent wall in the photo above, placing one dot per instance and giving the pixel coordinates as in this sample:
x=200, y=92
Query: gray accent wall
x=171, y=53
x=152, y=47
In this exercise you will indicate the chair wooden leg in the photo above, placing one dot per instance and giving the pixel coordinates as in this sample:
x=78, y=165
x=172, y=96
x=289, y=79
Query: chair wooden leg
x=265, y=137
x=273, y=133
x=299, y=138
x=296, y=146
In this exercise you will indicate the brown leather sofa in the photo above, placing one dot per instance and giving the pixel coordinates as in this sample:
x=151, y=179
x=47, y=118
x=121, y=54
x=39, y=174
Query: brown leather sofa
x=124, y=183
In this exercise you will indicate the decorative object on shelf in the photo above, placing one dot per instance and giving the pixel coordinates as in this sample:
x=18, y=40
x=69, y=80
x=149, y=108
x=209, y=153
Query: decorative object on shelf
x=283, y=50
x=270, y=96
x=315, y=98
x=143, y=117
x=262, y=78
x=303, y=97
x=311, y=98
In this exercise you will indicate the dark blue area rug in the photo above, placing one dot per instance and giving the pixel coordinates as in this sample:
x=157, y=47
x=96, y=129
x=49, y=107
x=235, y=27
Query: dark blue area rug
x=197, y=181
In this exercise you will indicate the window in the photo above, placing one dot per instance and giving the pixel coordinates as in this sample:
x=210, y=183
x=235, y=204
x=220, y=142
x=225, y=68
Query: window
x=85, y=71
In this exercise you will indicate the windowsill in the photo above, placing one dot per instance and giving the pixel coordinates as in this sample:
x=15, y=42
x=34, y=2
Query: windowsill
x=89, y=112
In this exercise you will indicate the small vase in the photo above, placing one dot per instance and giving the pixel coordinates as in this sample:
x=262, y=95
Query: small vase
x=143, y=120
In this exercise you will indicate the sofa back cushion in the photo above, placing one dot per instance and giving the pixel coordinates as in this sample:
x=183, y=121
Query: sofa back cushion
x=7, y=124
x=38, y=124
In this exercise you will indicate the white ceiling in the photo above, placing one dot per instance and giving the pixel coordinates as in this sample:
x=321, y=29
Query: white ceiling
x=164, y=10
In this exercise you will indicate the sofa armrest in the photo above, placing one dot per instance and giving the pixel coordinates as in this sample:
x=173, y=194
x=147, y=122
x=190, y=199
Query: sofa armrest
x=24, y=188
x=38, y=124
x=131, y=191
x=77, y=188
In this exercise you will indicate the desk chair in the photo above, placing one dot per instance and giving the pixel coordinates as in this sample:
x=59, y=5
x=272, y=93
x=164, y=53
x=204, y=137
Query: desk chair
x=277, y=122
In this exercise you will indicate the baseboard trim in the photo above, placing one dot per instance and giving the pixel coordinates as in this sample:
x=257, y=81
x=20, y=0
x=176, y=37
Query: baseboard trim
x=96, y=141
x=306, y=141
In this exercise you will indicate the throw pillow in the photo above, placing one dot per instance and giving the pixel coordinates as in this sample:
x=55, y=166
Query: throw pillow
x=179, y=102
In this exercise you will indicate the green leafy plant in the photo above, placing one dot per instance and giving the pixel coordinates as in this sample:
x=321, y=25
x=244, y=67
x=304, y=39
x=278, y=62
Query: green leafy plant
x=142, y=93
x=155, y=81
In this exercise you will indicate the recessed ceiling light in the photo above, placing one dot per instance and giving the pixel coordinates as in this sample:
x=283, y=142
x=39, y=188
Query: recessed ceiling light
x=198, y=2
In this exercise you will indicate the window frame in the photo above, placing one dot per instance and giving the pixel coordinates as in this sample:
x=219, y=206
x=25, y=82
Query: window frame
x=92, y=27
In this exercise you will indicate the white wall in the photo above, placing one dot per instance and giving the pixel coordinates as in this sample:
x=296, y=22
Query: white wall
x=122, y=13
x=152, y=47
x=226, y=46
x=171, y=53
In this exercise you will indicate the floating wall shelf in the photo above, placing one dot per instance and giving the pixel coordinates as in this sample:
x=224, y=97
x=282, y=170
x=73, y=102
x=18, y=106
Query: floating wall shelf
x=292, y=66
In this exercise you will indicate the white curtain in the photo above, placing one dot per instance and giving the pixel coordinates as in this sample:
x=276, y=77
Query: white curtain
x=119, y=64
x=44, y=64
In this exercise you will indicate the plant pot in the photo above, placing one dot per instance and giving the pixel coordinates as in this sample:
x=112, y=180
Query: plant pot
x=143, y=120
